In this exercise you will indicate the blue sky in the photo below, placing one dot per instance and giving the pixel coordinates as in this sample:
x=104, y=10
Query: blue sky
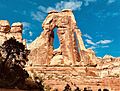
x=98, y=20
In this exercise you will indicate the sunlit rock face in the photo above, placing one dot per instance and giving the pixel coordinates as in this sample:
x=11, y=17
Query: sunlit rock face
x=4, y=26
x=71, y=62
x=16, y=30
x=71, y=50
x=109, y=66
x=7, y=32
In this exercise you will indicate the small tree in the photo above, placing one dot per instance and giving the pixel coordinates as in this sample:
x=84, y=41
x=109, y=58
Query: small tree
x=67, y=88
x=13, y=57
x=39, y=82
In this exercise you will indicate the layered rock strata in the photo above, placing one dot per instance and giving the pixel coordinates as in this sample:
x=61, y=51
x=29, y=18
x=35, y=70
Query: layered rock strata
x=7, y=32
x=71, y=50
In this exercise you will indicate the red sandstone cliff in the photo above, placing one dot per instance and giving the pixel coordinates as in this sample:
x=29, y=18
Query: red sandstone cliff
x=71, y=63
x=71, y=50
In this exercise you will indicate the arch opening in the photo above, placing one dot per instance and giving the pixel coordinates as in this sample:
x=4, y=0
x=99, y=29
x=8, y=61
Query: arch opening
x=56, y=42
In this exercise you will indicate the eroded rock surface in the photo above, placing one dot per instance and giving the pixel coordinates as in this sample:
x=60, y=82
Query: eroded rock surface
x=6, y=32
x=71, y=63
x=71, y=50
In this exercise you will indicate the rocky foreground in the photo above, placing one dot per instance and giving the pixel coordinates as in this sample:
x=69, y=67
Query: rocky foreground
x=105, y=75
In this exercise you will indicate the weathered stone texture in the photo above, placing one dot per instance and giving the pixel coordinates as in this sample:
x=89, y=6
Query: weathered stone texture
x=71, y=62
x=16, y=27
x=109, y=66
x=58, y=77
x=71, y=43
x=4, y=26
x=7, y=32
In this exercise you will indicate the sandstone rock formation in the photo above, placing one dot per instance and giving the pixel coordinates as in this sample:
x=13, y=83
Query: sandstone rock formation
x=7, y=32
x=109, y=67
x=71, y=50
x=55, y=64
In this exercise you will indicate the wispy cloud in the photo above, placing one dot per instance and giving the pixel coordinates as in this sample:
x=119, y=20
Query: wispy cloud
x=88, y=1
x=40, y=14
x=111, y=1
x=90, y=42
x=42, y=8
x=104, y=42
x=98, y=44
x=92, y=47
x=86, y=45
x=87, y=36
x=23, y=12
x=26, y=26
x=116, y=14
x=104, y=46
x=32, y=2
x=71, y=4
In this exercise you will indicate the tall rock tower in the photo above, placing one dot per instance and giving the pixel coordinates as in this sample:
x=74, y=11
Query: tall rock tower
x=71, y=43
x=7, y=32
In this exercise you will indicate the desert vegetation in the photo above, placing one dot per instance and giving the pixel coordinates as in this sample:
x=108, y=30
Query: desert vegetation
x=13, y=58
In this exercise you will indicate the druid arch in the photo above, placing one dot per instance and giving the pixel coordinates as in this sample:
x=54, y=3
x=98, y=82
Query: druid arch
x=69, y=35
